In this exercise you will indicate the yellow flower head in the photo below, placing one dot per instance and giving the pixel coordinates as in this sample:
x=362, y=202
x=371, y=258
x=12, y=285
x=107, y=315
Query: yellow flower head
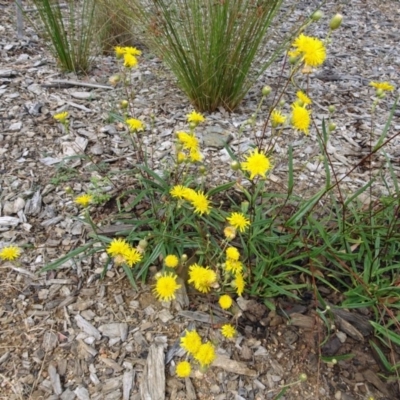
x=301, y=118
x=384, y=86
x=134, y=124
x=130, y=61
x=189, y=194
x=277, y=118
x=232, y=253
x=188, y=140
x=200, y=203
x=303, y=99
x=205, y=355
x=118, y=247
x=233, y=266
x=119, y=51
x=228, y=331
x=84, y=200
x=165, y=287
x=10, y=253
x=132, y=257
x=202, y=278
x=238, y=221
x=171, y=261
x=61, y=117
x=256, y=163
x=191, y=342
x=239, y=284
x=195, y=117
x=181, y=157
x=133, y=51
x=183, y=369
x=178, y=192
x=195, y=156
x=312, y=50
x=225, y=301
x=230, y=232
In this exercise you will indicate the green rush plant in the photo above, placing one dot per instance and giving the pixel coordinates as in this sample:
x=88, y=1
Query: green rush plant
x=215, y=49
x=68, y=30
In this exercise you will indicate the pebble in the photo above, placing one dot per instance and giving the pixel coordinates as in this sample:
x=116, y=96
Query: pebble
x=16, y=126
x=82, y=393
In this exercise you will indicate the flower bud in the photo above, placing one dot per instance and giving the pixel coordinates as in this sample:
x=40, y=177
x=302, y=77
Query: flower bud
x=69, y=190
x=266, y=90
x=336, y=21
x=332, y=127
x=281, y=103
x=114, y=79
x=143, y=243
x=244, y=206
x=380, y=93
x=293, y=60
x=124, y=104
x=317, y=15
x=202, y=169
x=331, y=109
x=303, y=377
x=235, y=165
x=184, y=258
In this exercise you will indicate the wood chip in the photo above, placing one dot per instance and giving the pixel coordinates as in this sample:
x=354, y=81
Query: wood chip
x=233, y=366
x=153, y=381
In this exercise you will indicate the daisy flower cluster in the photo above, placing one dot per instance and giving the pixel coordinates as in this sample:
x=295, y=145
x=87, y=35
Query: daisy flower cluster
x=187, y=146
x=197, y=199
x=123, y=253
x=128, y=55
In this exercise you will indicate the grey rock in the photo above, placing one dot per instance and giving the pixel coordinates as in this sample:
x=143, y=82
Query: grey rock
x=216, y=137
x=68, y=395
x=82, y=393
x=16, y=126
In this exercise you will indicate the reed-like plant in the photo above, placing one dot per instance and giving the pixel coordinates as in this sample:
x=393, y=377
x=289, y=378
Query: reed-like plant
x=68, y=30
x=212, y=47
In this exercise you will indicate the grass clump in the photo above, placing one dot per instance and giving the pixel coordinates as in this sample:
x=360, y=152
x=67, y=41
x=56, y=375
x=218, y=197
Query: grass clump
x=243, y=238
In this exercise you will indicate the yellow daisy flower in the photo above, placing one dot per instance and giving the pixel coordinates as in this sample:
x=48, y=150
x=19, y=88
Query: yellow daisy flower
x=195, y=117
x=205, y=355
x=200, y=203
x=191, y=342
x=230, y=233
x=132, y=257
x=118, y=247
x=277, y=118
x=312, y=50
x=238, y=221
x=84, y=200
x=239, y=284
x=178, y=192
x=188, y=140
x=301, y=118
x=303, y=99
x=385, y=86
x=165, y=287
x=10, y=253
x=202, y=278
x=232, y=253
x=61, y=117
x=183, y=369
x=225, y=301
x=195, y=156
x=134, y=124
x=130, y=60
x=233, y=266
x=257, y=164
x=171, y=261
x=119, y=51
x=189, y=194
x=133, y=51
x=228, y=331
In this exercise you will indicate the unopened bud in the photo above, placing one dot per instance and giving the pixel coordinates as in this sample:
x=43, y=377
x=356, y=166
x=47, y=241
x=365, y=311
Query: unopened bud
x=380, y=93
x=317, y=15
x=184, y=258
x=192, y=125
x=293, y=60
x=114, y=79
x=303, y=377
x=235, y=165
x=336, y=21
x=266, y=90
x=202, y=169
x=332, y=127
x=244, y=207
x=69, y=190
x=281, y=103
x=124, y=104
x=143, y=243
x=331, y=109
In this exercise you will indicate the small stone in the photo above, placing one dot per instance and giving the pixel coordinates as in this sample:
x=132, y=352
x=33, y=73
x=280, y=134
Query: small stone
x=82, y=393
x=16, y=126
x=83, y=95
x=165, y=316
x=67, y=395
x=341, y=336
x=19, y=204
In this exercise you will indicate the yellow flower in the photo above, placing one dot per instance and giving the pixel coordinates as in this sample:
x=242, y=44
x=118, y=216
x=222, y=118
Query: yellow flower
x=233, y=266
x=132, y=257
x=165, y=287
x=129, y=60
x=301, y=118
x=195, y=156
x=191, y=342
x=385, y=86
x=230, y=233
x=10, y=253
x=84, y=200
x=183, y=369
x=202, y=278
x=232, y=253
x=205, y=355
x=188, y=140
x=178, y=192
x=312, y=50
x=277, y=118
x=134, y=124
x=239, y=284
x=189, y=194
x=181, y=157
x=195, y=117
x=225, y=301
x=61, y=117
x=228, y=331
x=303, y=99
x=238, y=221
x=118, y=247
x=119, y=51
x=171, y=261
x=133, y=51
x=257, y=164
x=200, y=203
